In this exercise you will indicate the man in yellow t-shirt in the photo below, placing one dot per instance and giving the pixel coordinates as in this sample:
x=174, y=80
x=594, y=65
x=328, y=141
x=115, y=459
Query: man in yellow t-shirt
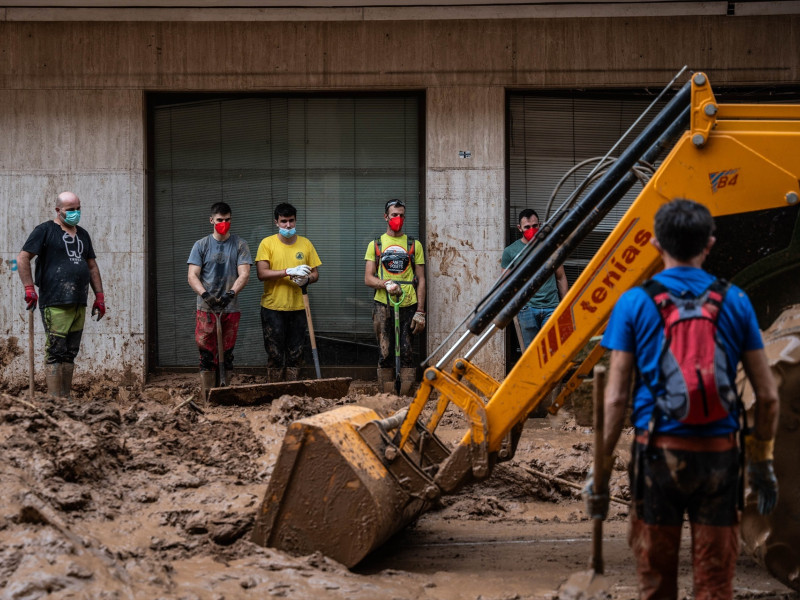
x=285, y=262
x=396, y=268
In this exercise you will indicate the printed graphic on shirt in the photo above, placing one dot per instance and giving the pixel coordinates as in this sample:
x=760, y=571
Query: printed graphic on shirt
x=395, y=260
x=74, y=247
x=299, y=256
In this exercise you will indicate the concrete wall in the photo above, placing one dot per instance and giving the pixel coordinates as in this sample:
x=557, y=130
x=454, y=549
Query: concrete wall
x=72, y=117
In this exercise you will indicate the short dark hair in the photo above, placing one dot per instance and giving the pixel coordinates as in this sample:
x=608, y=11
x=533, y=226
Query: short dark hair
x=527, y=213
x=683, y=227
x=220, y=208
x=284, y=209
x=393, y=202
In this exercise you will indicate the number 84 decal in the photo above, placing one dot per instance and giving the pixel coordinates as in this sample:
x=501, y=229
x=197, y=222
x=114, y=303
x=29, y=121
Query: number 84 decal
x=723, y=179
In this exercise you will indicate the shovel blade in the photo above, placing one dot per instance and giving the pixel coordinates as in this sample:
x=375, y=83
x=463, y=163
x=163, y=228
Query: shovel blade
x=262, y=393
x=585, y=585
x=329, y=492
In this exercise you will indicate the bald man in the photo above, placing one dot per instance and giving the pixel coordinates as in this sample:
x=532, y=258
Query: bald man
x=65, y=268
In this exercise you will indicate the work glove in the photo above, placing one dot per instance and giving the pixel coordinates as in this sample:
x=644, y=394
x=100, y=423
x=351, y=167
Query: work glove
x=418, y=322
x=299, y=281
x=30, y=297
x=210, y=300
x=225, y=299
x=298, y=271
x=597, y=504
x=392, y=288
x=762, y=479
x=760, y=473
x=99, y=306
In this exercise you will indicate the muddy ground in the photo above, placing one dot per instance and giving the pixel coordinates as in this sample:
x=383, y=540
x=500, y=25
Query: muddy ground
x=119, y=494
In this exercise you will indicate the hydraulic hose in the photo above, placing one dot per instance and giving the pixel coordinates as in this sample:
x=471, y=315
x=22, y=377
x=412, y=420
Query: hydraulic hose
x=518, y=287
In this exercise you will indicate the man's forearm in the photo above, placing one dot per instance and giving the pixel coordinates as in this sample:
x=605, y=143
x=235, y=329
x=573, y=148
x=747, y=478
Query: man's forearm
x=616, y=397
x=757, y=369
x=24, y=268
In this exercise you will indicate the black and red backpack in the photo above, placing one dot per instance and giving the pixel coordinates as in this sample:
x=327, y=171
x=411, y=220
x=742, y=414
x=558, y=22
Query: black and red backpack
x=694, y=386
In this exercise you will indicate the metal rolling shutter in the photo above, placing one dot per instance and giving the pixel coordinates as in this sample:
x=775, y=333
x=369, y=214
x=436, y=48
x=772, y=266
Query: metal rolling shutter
x=548, y=135
x=336, y=159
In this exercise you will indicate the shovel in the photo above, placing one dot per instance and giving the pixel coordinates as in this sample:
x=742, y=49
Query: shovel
x=261, y=393
x=396, y=306
x=30, y=353
x=220, y=350
x=588, y=585
x=311, y=331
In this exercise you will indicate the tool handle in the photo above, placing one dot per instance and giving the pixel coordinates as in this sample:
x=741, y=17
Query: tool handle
x=600, y=479
x=220, y=351
x=311, y=335
x=30, y=353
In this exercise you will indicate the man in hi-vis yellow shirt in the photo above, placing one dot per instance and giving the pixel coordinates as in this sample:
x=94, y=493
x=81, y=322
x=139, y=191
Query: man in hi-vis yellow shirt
x=285, y=262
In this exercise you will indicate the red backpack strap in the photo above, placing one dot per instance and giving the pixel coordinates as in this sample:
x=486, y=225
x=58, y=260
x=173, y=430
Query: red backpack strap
x=660, y=296
x=714, y=296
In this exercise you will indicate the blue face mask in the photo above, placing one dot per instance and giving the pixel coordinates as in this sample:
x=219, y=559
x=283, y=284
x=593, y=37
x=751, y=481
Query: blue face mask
x=287, y=233
x=72, y=217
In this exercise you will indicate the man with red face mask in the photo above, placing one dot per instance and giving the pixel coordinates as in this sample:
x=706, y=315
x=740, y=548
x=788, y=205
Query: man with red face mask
x=535, y=313
x=395, y=264
x=219, y=266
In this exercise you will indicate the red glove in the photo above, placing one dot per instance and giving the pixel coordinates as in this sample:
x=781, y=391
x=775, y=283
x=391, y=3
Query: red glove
x=30, y=297
x=99, y=306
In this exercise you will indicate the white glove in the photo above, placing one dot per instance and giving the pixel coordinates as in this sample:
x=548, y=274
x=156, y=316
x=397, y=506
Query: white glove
x=392, y=288
x=299, y=281
x=418, y=322
x=299, y=271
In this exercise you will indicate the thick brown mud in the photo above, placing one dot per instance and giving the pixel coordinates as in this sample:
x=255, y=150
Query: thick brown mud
x=118, y=494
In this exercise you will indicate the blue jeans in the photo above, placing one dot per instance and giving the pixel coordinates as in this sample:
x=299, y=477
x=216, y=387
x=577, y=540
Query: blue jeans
x=531, y=320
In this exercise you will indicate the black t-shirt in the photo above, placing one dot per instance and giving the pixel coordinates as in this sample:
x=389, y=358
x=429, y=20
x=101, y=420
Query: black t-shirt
x=62, y=273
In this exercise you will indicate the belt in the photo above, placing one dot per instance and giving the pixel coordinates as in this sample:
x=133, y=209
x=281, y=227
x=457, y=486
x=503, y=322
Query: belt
x=718, y=443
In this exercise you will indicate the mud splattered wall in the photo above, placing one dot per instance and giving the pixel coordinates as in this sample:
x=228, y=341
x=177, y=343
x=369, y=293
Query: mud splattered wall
x=72, y=117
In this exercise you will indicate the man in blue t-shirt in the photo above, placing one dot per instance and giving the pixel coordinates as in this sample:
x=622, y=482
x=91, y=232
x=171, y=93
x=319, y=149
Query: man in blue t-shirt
x=65, y=268
x=535, y=313
x=682, y=468
x=219, y=267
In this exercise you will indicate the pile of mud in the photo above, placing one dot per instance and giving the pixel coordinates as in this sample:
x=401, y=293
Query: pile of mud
x=134, y=496
x=105, y=499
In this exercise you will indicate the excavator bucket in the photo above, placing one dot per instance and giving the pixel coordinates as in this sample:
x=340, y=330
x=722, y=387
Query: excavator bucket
x=340, y=487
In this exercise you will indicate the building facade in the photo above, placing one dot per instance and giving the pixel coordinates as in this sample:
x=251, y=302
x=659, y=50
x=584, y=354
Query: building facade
x=92, y=97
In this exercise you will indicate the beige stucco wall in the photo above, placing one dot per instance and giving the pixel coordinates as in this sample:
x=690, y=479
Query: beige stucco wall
x=72, y=117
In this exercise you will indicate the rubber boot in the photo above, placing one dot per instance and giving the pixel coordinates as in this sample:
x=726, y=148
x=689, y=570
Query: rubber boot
x=292, y=373
x=274, y=375
x=52, y=375
x=67, y=370
x=207, y=380
x=408, y=376
x=386, y=380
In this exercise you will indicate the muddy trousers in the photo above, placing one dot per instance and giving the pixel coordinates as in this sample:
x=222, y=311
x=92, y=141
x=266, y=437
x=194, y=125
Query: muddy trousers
x=383, y=323
x=63, y=328
x=284, y=337
x=669, y=479
x=205, y=334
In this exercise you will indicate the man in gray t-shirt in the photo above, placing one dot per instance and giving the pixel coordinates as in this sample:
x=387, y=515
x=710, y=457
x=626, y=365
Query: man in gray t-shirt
x=219, y=267
x=535, y=313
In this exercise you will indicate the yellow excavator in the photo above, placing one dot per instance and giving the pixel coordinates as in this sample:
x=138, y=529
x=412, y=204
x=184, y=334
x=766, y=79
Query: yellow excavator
x=348, y=479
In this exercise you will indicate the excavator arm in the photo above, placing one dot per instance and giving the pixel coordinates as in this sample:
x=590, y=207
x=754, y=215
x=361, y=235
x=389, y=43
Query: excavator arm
x=354, y=475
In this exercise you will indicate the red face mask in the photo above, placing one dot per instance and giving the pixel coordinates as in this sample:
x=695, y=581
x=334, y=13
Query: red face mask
x=529, y=233
x=396, y=223
x=222, y=228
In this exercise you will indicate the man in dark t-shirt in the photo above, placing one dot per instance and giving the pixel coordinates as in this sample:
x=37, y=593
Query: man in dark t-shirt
x=65, y=268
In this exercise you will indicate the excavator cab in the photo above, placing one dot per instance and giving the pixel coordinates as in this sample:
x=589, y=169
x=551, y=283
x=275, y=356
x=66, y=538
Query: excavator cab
x=347, y=480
